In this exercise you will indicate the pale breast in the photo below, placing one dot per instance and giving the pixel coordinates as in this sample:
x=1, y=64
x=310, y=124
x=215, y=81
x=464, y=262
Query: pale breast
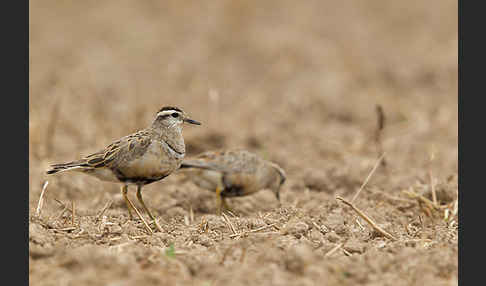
x=157, y=161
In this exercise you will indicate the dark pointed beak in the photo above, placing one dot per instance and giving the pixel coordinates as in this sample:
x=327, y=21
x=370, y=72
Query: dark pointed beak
x=188, y=120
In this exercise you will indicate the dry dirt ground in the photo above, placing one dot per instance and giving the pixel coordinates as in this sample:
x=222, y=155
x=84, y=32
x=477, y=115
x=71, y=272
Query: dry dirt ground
x=297, y=84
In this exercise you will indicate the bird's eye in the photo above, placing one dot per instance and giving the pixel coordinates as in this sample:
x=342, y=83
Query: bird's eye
x=175, y=114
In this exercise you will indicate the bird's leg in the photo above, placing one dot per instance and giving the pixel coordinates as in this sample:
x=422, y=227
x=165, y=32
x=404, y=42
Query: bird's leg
x=277, y=195
x=130, y=204
x=219, y=199
x=124, y=191
x=139, y=196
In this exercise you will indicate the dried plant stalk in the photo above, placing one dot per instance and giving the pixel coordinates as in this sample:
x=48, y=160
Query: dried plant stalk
x=40, y=204
x=367, y=219
x=334, y=249
x=369, y=176
x=379, y=130
x=107, y=206
x=229, y=224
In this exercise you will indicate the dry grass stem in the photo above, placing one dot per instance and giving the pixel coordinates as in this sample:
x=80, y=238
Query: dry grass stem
x=157, y=225
x=369, y=176
x=446, y=214
x=367, y=219
x=141, y=218
x=147, y=227
x=65, y=228
x=229, y=224
x=418, y=240
x=432, y=188
x=107, y=206
x=138, y=237
x=40, y=204
x=65, y=208
x=379, y=130
x=451, y=211
x=347, y=253
x=423, y=199
x=62, y=204
x=334, y=249
x=253, y=230
x=231, y=213
x=262, y=228
x=191, y=215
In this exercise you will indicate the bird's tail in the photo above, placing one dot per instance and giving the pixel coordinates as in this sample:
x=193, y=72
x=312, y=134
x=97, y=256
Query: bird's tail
x=54, y=168
x=199, y=164
x=185, y=166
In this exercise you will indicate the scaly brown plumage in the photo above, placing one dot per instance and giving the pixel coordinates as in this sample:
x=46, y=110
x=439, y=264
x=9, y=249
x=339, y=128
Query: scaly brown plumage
x=141, y=158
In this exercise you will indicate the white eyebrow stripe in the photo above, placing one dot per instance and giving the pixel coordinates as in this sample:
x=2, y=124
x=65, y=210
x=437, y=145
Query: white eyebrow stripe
x=167, y=112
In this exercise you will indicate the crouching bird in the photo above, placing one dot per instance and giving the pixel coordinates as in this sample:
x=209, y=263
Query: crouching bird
x=233, y=173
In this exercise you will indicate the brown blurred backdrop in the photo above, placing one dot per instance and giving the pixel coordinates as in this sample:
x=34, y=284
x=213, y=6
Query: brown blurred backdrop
x=297, y=83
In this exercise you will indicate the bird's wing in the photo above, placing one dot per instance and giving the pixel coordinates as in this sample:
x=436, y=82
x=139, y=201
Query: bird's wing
x=128, y=147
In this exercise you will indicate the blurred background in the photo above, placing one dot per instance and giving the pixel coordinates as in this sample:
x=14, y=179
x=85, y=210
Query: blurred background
x=296, y=83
